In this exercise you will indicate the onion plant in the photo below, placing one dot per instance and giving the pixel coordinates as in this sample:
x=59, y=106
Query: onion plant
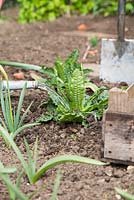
x=13, y=189
x=29, y=166
x=56, y=185
x=12, y=120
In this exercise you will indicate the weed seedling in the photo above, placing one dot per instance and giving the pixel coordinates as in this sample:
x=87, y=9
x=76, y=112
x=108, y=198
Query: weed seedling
x=94, y=41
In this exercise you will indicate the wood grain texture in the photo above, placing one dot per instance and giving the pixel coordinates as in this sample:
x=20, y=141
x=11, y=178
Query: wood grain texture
x=118, y=132
x=119, y=137
x=121, y=101
x=118, y=126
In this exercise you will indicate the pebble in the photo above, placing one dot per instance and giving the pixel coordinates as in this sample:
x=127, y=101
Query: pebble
x=19, y=76
x=92, y=133
x=82, y=27
x=101, y=181
x=78, y=134
x=126, y=29
x=118, y=196
x=109, y=171
x=118, y=173
x=130, y=169
x=82, y=130
x=79, y=186
x=99, y=173
x=74, y=130
x=62, y=135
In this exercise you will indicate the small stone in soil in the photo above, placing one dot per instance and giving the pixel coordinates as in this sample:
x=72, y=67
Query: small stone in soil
x=109, y=171
x=130, y=169
x=118, y=173
x=118, y=196
x=82, y=130
x=74, y=130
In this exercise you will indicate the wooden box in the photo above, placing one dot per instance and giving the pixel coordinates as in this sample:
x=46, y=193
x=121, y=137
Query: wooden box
x=118, y=126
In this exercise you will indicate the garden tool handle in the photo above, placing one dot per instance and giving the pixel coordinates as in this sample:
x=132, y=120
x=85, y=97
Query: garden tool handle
x=16, y=85
x=121, y=20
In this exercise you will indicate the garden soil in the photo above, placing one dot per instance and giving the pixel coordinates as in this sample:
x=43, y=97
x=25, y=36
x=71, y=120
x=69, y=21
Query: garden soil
x=40, y=43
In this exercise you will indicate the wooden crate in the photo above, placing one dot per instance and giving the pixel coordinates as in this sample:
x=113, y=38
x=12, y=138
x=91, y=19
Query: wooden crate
x=118, y=126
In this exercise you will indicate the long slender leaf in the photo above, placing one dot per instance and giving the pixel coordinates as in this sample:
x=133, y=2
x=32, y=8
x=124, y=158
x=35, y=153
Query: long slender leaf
x=56, y=186
x=6, y=170
x=3, y=104
x=63, y=159
x=91, y=86
x=6, y=107
x=22, y=66
x=14, y=134
x=35, y=154
x=13, y=188
x=3, y=123
x=31, y=166
x=24, y=115
x=3, y=73
x=21, y=99
x=8, y=111
x=10, y=105
x=57, y=99
x=32, y=159
x=124, y=194
x=10, y=141
x=11, y=192
x=18, y=181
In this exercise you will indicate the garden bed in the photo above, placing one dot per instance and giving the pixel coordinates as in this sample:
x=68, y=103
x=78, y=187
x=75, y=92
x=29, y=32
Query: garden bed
x=40, y=43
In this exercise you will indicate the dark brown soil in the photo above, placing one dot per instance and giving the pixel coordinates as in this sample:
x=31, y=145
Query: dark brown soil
x=40, y=43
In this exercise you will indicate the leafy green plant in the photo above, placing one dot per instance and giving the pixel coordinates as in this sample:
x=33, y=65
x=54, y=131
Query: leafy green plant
x=94, y=41
x=29, y=166
x=72, y=104
x=13, y=189
x=13, y=121
x=66, y=87
x=31, y=10
x=124, y=194
x=98, y=7
x=69, y=100
x=70, y=63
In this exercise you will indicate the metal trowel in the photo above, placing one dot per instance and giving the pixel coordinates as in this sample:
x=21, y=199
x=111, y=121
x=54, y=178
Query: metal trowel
x=117, y=55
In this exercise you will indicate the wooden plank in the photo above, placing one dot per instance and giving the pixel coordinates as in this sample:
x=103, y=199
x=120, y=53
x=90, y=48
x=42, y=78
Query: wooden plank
x=121, y=101
x=118, y=134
